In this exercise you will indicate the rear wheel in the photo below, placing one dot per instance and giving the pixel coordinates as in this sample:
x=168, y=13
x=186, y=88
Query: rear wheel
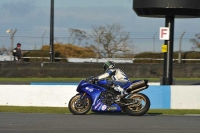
x=140, y=106
x=79, y=106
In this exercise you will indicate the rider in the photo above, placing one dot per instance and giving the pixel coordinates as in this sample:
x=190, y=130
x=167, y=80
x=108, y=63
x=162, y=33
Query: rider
x=118, y=77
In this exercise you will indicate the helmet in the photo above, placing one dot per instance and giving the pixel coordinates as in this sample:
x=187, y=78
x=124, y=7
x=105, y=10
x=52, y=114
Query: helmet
x=18, y=44
x=108, y=65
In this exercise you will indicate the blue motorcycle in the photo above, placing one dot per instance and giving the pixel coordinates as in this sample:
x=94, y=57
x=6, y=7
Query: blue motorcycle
x=99, y=96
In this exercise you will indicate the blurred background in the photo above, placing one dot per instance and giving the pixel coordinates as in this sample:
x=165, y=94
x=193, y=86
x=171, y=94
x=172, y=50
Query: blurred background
x=88, y=29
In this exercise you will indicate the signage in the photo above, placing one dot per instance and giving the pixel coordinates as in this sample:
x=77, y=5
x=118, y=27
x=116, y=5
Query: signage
x=164, y=33
x=164, y=48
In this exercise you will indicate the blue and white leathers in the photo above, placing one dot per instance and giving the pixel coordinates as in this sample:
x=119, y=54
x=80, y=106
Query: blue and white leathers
x=117, y=75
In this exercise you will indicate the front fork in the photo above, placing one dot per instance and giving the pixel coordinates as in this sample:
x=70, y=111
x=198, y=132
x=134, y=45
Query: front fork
x=82, y=96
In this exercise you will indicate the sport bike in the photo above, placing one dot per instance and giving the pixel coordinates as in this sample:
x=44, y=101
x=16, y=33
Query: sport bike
x=99, y=96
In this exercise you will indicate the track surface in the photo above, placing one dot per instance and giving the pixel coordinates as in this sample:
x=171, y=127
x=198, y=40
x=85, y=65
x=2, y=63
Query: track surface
x=67, y=123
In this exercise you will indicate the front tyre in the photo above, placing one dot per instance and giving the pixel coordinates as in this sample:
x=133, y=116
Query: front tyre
x=79, y=106
x=140, y=106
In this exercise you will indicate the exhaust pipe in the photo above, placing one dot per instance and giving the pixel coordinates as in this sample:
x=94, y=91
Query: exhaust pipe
x=139, y=89
x=137, y=85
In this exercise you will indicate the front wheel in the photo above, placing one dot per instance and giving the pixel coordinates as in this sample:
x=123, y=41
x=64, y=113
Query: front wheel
x=140, y=106
x=79, y=106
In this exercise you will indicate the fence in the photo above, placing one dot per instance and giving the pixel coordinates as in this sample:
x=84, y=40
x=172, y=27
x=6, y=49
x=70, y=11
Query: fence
x=141, y=42
x=117, y=60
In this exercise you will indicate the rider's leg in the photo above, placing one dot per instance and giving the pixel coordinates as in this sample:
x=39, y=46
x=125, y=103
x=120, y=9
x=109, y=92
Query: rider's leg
x=120, y=89
x=118, y=86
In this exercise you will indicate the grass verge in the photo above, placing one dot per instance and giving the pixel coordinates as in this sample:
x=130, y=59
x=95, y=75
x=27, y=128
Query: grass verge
x=40, y=79
x=63, y=110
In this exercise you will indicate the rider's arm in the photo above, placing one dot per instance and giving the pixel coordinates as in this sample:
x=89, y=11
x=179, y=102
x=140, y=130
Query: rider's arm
x=107, y=74
x=103, y=76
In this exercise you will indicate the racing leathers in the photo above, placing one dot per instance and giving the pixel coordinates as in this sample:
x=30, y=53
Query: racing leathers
x=118, y=77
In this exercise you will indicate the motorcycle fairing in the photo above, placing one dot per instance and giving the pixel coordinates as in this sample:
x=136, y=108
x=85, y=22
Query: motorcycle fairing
x=93, y=92
x=99, y=106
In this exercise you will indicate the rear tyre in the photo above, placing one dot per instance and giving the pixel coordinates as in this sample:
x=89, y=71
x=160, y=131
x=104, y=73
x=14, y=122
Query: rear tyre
x=141, y=105
x=79, y=106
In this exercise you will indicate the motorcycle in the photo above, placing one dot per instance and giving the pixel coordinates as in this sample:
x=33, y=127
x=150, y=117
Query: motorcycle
x=99, y=96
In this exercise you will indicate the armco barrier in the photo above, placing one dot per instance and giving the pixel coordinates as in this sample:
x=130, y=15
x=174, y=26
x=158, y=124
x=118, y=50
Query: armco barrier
x=161, y=97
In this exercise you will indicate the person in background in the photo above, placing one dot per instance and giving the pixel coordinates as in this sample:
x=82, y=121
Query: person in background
x=17, y=52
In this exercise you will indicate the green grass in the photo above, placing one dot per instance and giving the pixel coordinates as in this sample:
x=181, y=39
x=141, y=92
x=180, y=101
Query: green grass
x=47, y=110
x=57, y=110
x=174, y=111
x=40, y=79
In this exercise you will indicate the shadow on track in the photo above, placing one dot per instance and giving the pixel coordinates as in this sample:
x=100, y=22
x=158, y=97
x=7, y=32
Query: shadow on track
x=121, y=113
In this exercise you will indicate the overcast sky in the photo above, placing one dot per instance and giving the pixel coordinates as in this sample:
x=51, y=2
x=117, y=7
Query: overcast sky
x=31, y=18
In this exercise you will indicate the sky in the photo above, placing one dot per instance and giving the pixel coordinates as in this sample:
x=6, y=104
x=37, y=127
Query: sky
x=31, y=18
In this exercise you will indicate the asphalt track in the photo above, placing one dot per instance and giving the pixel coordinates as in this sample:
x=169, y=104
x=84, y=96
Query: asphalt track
x=94, y=123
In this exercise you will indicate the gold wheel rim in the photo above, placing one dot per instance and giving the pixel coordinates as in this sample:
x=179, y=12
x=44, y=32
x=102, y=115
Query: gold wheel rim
x=74, y=102
x=138, y=106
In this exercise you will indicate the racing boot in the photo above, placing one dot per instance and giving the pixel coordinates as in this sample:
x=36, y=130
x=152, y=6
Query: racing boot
x=122, y=91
